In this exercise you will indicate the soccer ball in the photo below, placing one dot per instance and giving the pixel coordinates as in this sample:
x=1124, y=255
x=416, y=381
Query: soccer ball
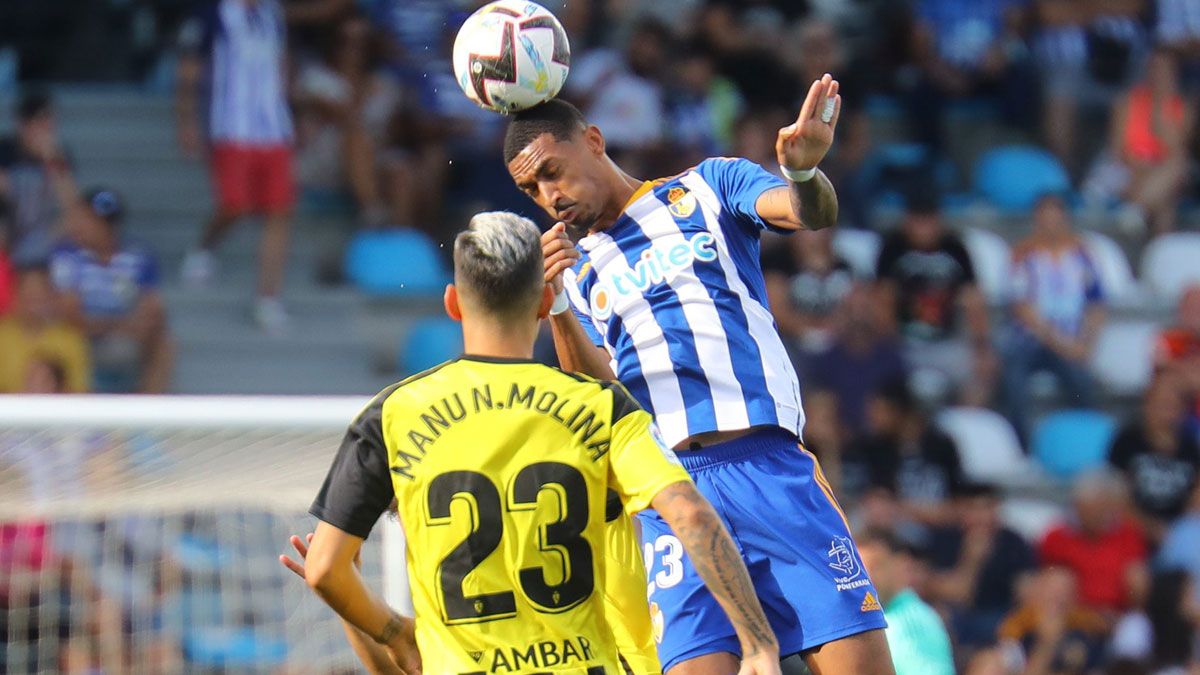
x=511, y=55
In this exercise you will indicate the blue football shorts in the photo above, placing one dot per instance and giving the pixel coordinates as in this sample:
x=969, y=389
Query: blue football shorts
x=795, y=542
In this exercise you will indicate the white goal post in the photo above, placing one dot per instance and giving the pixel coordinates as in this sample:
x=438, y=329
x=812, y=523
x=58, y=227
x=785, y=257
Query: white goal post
x=141, y=534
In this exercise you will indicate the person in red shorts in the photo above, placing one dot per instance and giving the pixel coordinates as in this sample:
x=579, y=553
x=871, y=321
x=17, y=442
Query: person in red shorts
x=234, y=53
x=1177, y=354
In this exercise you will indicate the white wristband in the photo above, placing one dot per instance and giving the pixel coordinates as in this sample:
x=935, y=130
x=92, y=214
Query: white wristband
x=798, y=176
x=561, y=303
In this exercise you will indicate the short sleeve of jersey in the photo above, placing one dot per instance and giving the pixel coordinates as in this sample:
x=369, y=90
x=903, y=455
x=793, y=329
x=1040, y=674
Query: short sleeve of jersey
x=579, y=307
x=640, y=463
x=358, y=487
x=738, y=184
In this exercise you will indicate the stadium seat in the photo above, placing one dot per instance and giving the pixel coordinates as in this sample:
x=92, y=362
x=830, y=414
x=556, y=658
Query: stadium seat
x=396, y=263
x=1171, y=263
x=1123, y=359
x=221, y=648
x=429, y=343
x=992, y=259
x=988, y=446
x=1116, y=275
x=1070, y=442
x=1013, y=177
x=859, y=248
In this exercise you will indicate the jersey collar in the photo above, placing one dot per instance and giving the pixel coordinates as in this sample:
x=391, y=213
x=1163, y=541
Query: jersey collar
x=591, y=241
x=493, y=359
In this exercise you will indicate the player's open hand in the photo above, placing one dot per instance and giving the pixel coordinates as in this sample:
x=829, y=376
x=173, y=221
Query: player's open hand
x=764, y=663
x=558, y=255
x=803, y=144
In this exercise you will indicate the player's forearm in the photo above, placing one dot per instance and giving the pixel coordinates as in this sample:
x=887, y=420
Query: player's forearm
x=374, y=657
x=575, y=350
x=814, y=202
x=718, y=563
x=343, y=590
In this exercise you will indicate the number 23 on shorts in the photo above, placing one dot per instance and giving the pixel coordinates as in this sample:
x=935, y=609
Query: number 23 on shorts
x=671, y=551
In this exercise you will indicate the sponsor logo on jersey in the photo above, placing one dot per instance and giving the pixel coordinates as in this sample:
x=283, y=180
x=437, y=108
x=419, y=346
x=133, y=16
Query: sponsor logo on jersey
x=681, y=203
x=870, y=604
x=843, y=559
x=657, y=264
x=542, y=654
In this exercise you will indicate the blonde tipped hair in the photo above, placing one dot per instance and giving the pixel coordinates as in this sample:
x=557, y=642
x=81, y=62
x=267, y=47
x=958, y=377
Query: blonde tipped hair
x=498, y=262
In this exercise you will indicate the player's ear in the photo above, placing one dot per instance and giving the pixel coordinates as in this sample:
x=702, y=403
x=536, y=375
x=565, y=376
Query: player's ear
x=450, y=302
x=547, y=301
x=594, y=140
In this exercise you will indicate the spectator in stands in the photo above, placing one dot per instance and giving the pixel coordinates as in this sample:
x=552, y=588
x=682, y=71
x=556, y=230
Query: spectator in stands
x=27, y=162
x=978, y=562
x=967, y=50
x=1057, y=302
x=1177, y=27
x=110, y=288
x=35, y=335
x=8, y=278
x=916, y=635
x=1181, y=547
x=1177, y=355
x=1151, y=134
x=702, y=107
x=1051, y=633
x=1161, y=635
x=904, y=453
x=926, y=282
x=806, y=283
x=1100, y=543
x=241, y=45
x=345, y=109
x=1159, y=458
x=1083, y=50
x=865, y=355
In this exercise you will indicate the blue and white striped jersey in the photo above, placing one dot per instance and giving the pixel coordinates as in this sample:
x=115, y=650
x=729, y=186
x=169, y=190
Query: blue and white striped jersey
x=244, y=44
x=675, y=293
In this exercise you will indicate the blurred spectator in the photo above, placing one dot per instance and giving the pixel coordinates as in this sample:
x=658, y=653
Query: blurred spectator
x=1051, y=633
x=806, y=283
x=27, y=162
x=1177, y=354
x=34, y=336
x=1162, y=635
x=978, y=562
x=236, y=51
x=1100, y=543
x=8, y=281
x=1177, y=27
x=754, y=136
x=823, y=434
x=915, y=633
x=926, y=281
x=45, y=376
x=1159, y=458
x=967, y=50
x=110, y=287
x=1151, y=134
x=1181, y=547
x=864, y=356
x=1083, y=50
x=904, y=453
x=345, y=109
x=622, y=94
x=1057, y=304
x=702, y=107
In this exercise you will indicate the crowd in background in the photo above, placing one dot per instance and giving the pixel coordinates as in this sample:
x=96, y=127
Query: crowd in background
x=374, y=120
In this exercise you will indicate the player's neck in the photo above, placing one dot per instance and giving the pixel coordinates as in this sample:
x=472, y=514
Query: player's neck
x=624, y=187
x=492, y=338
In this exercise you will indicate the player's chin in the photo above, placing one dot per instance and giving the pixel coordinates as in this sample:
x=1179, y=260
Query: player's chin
x=578, y=228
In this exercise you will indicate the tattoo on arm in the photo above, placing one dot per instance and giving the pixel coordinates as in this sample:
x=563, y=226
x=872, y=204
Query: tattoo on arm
x=390, y=629
x=815, y=202
x=719, y=564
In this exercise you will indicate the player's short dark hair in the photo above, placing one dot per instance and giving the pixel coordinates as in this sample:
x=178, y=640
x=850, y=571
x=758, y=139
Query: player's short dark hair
x=555, y=117
x=498, y=261
x=33, y=104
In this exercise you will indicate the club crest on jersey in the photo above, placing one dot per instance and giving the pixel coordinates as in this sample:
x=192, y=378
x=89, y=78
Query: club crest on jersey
x=656, y=265
x=681, y=203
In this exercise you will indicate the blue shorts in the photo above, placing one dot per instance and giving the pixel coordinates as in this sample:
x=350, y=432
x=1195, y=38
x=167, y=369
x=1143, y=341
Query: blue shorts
x=793, y=537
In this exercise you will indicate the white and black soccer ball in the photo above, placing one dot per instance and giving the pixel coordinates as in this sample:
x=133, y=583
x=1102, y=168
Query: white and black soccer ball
x=511, y=55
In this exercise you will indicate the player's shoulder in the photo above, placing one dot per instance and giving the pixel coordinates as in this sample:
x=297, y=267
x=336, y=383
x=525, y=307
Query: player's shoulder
x=410, y=384
x=623, y=402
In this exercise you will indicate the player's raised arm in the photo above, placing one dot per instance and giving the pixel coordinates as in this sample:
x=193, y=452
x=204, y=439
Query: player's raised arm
x=809, y=201
x=576, y=351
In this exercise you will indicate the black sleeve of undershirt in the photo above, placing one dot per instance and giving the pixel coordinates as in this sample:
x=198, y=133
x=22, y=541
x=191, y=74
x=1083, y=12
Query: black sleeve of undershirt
x=358, y=488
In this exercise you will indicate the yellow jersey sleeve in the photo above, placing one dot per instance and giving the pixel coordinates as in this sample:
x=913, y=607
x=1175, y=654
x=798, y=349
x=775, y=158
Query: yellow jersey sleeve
x=640, y=463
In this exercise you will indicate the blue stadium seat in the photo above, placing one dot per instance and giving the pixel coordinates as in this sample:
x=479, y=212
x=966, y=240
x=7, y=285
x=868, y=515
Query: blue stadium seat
x=236, y=648
x=1013, y=177
x=1070, y=442
x=429, y=343
x=396, y=263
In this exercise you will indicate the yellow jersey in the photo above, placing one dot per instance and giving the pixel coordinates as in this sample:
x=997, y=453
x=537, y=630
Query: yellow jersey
x=513, y=482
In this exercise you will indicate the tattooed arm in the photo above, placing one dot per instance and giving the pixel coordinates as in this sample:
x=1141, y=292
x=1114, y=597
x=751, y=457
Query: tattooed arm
x=811, y=205
x=719, y=564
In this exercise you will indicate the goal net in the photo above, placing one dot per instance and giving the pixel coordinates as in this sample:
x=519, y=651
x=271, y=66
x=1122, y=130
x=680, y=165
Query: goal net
x=142, y=535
